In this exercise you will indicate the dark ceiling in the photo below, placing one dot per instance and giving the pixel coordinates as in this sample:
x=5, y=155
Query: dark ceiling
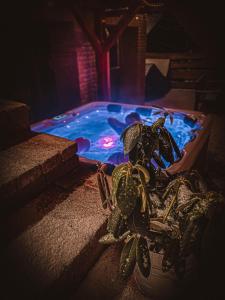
x=203, y=21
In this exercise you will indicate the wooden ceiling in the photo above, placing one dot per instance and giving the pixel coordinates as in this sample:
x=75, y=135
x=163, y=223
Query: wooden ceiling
x=116, y=7
x=26, y=8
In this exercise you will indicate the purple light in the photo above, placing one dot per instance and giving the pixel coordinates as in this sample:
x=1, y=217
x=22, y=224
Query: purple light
x=107, y=142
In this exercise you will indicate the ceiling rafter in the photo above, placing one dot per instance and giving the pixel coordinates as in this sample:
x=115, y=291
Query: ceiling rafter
x=105, y=46
x=122, y=24
x=92, y=36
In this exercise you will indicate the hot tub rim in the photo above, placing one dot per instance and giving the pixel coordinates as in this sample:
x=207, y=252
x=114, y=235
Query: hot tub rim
x=191, y=149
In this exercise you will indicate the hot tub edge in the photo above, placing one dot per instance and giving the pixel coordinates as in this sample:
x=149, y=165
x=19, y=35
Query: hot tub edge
x=194, y=149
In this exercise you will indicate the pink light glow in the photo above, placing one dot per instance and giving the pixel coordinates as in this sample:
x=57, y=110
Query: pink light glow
x=107, y=142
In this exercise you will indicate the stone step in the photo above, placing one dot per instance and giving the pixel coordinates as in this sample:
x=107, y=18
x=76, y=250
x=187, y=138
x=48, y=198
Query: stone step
x=103, y=282
x=52, y=242
x=30, y=166
x=14, y=123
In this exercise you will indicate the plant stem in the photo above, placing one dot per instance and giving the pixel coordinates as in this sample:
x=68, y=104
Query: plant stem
x=170, y=206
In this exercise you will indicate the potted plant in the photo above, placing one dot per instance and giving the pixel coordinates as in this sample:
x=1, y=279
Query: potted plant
x=151, y=210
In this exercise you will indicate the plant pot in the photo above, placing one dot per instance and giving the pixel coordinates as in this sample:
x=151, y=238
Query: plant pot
x=165, y=285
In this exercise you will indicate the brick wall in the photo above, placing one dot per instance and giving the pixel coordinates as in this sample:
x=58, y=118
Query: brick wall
x=87, y=72
x=86, y=62
x=62, y=61
x=79, y=49
x=84, y=54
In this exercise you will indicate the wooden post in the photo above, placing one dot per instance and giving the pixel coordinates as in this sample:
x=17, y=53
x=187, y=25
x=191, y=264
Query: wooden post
x=122, y=25
x=92, y=37
x=102, y=49
x=102, y=57
x=103, y=67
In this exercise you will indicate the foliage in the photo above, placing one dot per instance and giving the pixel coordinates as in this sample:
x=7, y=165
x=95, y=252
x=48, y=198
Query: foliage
x=150, y=209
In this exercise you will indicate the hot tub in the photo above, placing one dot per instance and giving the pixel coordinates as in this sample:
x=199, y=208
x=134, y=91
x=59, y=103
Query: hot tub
x=97, y=126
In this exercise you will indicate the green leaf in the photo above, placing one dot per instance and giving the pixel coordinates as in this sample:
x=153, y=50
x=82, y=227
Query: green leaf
x=171, y=118
x=148, y=142
x=175, y=146
x=158, y=160
x=116, y=223
x=144, y=193
x=159, y=226
x=131, y=137
x=108, y=239
x=143, y=257
x=159, y=123
x=126, y=194
x=165, y=146
x=117, y=173
x=152, y=172
x=188, y=206
x=172, y=142
x=128, y=258
x=168, y=190
x=139, y=222
x=143, y=171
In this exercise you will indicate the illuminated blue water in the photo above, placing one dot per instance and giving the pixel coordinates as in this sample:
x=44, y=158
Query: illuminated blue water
x=91, y=122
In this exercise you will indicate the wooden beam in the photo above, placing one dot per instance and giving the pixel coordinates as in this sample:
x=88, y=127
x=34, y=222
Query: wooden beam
x=121, y=11
x=103, y=67
x=122, y=24
x=102, y=50
x=100, y=26
x=102, y=57
x=92, y=37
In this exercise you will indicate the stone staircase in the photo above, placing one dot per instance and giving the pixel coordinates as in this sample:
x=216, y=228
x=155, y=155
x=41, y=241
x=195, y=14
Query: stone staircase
x=28, y=167
x=51, y=215
x=103, y=282
x=29, y=161
x=14, y=123
x=52, y=242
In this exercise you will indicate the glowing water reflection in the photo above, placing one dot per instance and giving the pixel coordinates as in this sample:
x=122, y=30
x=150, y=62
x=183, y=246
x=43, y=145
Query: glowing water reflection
x=91, y=123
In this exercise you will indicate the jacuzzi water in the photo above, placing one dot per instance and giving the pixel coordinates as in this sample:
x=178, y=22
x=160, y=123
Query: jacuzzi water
x=91, y=122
